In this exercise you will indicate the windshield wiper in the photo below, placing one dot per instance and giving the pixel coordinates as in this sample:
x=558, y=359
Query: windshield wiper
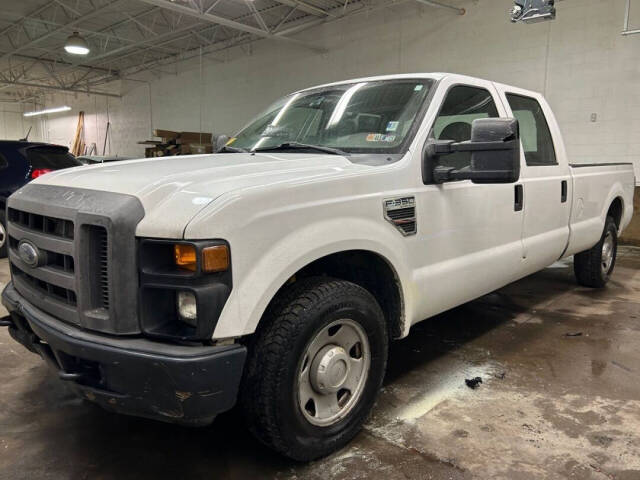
x=301, y=146
x=230, y=149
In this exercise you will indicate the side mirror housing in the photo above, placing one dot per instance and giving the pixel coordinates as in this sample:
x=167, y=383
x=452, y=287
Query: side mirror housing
x=495, y=154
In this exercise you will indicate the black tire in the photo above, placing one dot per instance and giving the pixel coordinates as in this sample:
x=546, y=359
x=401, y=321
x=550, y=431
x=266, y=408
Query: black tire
x=3, y=235
x=268, y=394
x=588, y=265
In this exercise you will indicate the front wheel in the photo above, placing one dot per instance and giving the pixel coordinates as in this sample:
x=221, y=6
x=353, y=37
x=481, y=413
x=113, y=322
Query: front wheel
x=315, y=368
x=593, y=267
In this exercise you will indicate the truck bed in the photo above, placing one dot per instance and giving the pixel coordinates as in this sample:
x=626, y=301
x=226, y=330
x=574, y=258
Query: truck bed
x=595, y=186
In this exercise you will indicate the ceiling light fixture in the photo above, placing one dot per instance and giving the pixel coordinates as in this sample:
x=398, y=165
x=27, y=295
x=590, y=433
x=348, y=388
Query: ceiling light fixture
x=76, y=45
x=47, y=110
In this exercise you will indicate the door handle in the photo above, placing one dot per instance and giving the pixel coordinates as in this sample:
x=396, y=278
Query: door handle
x=563, y=193
x=518, y=198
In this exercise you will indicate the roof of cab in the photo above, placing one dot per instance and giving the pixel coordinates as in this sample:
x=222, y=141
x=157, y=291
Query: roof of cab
x=398, y=76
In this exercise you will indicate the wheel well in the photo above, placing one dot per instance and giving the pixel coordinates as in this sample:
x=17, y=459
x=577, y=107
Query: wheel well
x=615, y=211
x=372, y=272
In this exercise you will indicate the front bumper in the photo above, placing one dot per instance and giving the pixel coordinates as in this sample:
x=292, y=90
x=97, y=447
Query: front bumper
x=135, y=376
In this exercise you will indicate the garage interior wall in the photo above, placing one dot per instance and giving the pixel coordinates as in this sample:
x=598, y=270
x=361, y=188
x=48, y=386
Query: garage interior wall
x=580, y=61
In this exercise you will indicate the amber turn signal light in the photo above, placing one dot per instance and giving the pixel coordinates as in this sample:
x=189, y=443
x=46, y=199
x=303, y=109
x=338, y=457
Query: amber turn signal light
x=215, y=259
x=185, y=256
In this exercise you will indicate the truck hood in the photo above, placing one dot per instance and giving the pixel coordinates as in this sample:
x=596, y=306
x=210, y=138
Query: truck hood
x=173, y=190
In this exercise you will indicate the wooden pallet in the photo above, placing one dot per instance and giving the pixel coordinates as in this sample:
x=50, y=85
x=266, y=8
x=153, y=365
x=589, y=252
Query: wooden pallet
x=177, y=143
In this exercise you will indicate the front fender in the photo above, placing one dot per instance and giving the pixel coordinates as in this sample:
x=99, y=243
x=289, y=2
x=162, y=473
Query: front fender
x=271, y=268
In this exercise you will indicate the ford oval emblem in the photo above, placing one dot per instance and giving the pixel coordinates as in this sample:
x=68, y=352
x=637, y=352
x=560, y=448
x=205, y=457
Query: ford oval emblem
x=28, y=253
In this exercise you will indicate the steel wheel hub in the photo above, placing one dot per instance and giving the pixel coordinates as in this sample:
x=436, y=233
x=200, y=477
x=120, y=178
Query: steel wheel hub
x=333, y=372
x=608, y=251
x=330, y=369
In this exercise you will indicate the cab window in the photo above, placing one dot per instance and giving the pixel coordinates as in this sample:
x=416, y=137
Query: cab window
x=534, y=131
x=462, y=105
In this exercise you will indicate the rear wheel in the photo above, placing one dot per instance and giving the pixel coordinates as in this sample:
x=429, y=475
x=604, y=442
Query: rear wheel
x=594, y=267
x=315, y=368
x=3, y=236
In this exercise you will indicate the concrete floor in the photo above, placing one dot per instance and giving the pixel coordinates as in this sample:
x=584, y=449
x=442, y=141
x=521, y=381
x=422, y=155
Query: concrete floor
x=550, y=405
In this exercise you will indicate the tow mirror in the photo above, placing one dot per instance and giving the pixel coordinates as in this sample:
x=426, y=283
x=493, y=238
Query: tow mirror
x=495, y=154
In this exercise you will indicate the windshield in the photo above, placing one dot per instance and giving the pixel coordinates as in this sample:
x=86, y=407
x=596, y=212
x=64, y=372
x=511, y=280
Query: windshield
x=366, y=117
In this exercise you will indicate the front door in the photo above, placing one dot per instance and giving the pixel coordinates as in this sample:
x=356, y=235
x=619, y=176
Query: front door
x=469, y=235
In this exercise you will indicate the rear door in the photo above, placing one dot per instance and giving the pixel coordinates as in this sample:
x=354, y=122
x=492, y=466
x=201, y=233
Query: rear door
x=546, y=179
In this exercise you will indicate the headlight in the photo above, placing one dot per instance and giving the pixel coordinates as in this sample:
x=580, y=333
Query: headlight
x=187, y=308
x=184, y=287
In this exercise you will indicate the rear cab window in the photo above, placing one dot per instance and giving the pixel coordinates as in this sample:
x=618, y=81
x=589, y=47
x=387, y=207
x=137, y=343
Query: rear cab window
x=535, y=135
x=50, y=157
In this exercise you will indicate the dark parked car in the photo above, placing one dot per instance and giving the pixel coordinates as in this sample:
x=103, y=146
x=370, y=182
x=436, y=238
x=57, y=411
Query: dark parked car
x=21, y=162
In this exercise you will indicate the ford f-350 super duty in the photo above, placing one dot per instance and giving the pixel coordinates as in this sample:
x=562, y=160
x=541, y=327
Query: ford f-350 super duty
x=275, y=272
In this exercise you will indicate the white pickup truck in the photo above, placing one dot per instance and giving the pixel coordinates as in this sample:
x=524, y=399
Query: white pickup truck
x=275, y=272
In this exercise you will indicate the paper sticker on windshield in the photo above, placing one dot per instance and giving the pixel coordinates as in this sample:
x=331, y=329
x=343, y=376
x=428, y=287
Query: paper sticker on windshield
x=380, y=137
x=417, y=88
x=392, y=126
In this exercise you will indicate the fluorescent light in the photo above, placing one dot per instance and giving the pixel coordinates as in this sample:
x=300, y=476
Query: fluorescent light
x=76, y=45
x=47, y=110
x=75, y=50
